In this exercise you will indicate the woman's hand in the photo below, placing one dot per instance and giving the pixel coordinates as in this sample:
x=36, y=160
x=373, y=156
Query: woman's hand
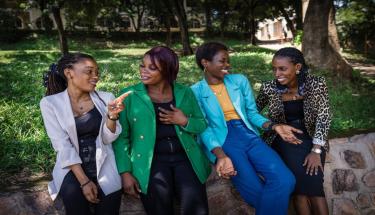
x=116, y=106
x=130, y=185
x=286, y=133
x=90, y=191
x=313, y=163
x=224, y=167
x=175, y=116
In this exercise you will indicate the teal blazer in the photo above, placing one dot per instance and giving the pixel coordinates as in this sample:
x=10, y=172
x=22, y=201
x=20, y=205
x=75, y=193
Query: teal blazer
x=242, y=98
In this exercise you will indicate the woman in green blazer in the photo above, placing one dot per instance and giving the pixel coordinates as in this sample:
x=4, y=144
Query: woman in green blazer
x=157, y=154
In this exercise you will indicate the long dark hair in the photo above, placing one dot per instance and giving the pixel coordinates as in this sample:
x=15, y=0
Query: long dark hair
x=54, y=79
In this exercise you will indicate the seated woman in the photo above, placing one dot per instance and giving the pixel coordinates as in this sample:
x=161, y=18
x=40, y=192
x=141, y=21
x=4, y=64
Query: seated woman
x=157, y=154
x=301, y=100
x=81, y=124
x=232, y=138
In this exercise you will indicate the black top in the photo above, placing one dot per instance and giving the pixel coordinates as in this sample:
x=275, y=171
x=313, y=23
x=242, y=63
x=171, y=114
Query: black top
x=293, y=110
x=167, y=142
x=163, y=130
x=88, y=126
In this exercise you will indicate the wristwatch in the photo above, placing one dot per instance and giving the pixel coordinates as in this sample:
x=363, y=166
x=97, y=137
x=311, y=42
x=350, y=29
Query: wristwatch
x=316, y=150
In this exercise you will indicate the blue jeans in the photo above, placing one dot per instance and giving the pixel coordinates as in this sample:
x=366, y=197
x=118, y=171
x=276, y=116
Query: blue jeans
x=250, y=157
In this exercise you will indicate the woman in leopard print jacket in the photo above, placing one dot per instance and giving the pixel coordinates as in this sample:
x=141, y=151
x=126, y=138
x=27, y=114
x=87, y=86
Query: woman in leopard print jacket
x=301, y=100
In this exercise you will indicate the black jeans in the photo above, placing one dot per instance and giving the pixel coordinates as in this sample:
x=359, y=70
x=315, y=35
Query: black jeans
x=75, y=202
x=169, y=179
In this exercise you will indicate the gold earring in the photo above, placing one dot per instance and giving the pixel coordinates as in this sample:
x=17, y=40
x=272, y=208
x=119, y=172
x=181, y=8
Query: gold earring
x=204, y=70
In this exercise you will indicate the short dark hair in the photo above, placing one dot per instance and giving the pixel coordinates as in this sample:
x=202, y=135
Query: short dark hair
x=208, y=51
x=54, y=79
x=168, y=61
x=294, y=55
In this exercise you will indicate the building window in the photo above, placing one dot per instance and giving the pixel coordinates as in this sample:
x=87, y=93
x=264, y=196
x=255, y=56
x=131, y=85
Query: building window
x=277, y=32
x=194, y=23
x=125, y=23
x=149, y=24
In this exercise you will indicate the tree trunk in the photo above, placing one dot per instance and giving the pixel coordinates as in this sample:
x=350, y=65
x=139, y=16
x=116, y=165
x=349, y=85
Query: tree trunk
x=208, y=15
x=332, y=31
x=62, y=36
x=286, y=16
x=298, y=10
x=223, y=23
x=140, y=13
x=317, y=46
x=253, y=26
x=168, y=41
x=252, y=29
x=138, y=28
x=133, y=23
x=45, y=18
x=182, y=22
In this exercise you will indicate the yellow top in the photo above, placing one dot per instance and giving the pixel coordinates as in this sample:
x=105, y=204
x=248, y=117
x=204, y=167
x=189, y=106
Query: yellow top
x=224, y=100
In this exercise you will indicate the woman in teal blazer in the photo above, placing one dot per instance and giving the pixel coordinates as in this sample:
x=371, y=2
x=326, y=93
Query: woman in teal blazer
x=232, y=139
x=157, y=154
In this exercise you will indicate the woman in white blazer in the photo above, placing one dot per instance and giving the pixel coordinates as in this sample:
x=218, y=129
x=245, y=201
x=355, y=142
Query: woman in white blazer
x=82, y=123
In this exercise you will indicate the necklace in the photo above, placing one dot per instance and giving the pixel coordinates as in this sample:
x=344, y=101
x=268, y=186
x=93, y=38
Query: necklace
x=294, y=95
x=81, y=108
x=217, y=92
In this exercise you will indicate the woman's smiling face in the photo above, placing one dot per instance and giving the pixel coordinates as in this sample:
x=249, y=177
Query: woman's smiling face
x=150, y=73
x=285, y=70
x=218, y=66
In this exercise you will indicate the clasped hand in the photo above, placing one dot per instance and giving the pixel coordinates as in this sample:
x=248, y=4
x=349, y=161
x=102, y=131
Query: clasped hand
x=224, y=167
x=90, y=191
x=174, y=116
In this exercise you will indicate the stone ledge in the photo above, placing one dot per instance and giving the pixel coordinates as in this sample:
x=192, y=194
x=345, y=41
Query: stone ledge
x=354, y=187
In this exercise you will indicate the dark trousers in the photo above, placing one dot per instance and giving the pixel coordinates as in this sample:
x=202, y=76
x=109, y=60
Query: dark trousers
x=76, y=203
x=174, y=179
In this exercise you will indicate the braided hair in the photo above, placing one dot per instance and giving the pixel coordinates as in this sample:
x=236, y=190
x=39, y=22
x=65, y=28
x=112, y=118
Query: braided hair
x=295, y=56
x=54, y=79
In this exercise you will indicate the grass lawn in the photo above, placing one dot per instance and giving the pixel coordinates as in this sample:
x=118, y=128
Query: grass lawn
x=24, y=143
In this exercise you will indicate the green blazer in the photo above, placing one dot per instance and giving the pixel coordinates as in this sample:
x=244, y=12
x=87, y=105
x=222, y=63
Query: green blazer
x=134, y=148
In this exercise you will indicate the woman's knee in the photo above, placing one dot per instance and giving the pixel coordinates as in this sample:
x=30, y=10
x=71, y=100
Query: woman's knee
x=282, y=178
x=287, y=180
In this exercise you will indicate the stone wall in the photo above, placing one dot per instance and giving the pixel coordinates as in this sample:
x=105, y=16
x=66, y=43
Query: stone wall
x=350, y=175
x=349, y=186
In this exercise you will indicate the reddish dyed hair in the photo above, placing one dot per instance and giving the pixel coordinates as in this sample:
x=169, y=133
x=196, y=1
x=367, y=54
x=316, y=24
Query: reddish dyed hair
x=168, y=62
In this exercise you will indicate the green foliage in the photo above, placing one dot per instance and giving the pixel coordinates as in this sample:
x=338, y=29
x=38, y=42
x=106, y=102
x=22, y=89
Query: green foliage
x=297, y=40
x=24, y=143
x=355, y=22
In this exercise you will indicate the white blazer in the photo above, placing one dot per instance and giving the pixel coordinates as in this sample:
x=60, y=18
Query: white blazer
x=61, y=129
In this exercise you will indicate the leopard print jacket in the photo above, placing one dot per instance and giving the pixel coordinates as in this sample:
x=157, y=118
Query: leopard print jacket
x=317, y=115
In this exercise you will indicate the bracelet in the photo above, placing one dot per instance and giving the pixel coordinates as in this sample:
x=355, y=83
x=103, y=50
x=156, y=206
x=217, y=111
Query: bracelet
x=112, y=118
x=270, y=125
x=86, y=183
